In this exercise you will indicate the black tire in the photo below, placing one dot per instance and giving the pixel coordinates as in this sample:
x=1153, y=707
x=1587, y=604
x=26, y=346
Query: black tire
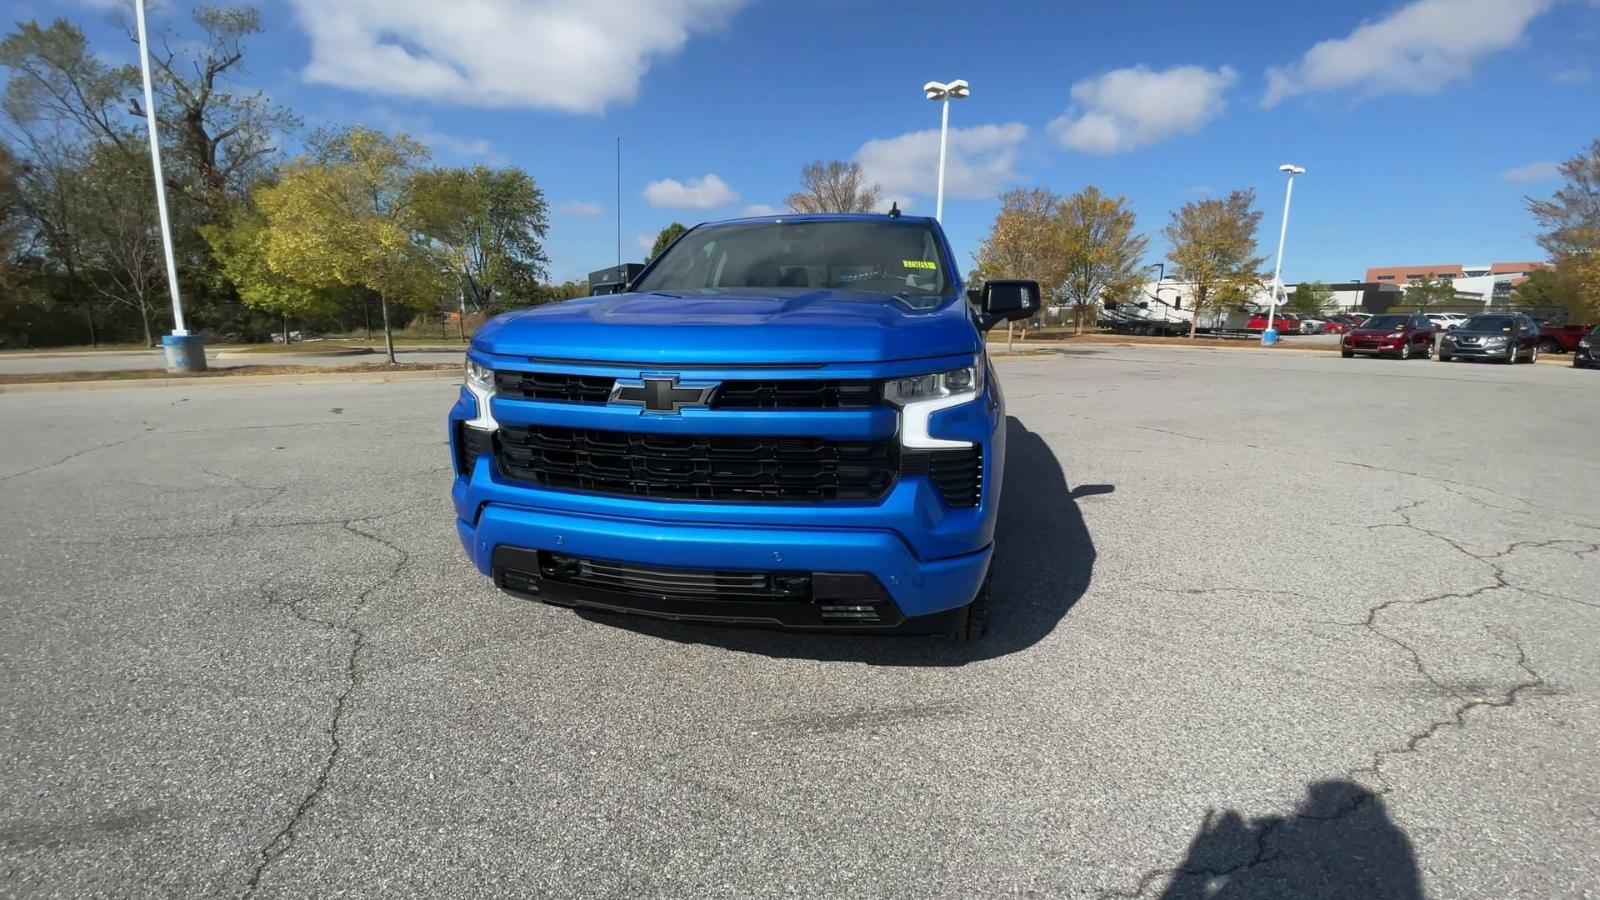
x=1550, y=345
x=1511, y=356
x=1533, y=356
x=1405, y=350
x=1445, y=357
x=1427, y=351
x=1346, y=353
x=974, y=622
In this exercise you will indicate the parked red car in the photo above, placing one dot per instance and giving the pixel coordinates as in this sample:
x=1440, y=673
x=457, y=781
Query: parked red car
x=1285, y=323
x=1408, y=336
x=1561, y=338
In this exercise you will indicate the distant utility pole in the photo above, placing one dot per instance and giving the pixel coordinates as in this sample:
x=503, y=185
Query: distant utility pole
x=186, y=353
x=619, y=201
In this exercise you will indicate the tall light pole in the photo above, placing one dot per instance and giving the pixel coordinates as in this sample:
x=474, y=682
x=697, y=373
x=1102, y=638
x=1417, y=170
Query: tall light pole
x=1270, y=336
x=184, y=351
x=944, y=93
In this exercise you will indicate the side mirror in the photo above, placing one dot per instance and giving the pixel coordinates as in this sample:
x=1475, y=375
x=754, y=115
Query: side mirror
x=1008, y=299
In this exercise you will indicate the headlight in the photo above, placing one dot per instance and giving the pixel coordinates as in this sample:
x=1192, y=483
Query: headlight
x=920, y=396
x=919, y=388
x=1584, y=343
x=1494, y=340
x=480, y=384
x=480, y=377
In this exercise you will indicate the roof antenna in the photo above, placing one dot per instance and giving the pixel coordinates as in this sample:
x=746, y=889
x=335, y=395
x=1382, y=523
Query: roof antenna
x=894, y=210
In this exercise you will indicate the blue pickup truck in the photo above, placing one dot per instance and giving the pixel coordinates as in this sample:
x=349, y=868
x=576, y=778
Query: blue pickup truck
x=785, y=421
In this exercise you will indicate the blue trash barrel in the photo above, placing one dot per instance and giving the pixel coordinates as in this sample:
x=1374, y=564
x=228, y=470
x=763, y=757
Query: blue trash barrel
x=184, y=352
x=1269, y=337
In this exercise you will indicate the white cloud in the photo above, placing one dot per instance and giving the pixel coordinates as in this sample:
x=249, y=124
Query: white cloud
x=581, y=208
x=760, y=209
x=697, y=193
x=1575, y=75
x=1417, y=49
x=1126, y=109
x=572, y=55
x=980, y=161
x=1539, y=170
x=465, y=148
x=1201, y=189
x=646, y=242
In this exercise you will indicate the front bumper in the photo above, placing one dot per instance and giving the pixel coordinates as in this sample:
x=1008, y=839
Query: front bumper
x=1373, y=347
x=926, y=557
x=1497, y=352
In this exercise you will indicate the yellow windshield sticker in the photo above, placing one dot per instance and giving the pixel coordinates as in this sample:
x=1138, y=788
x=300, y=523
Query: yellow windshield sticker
x=919, y=264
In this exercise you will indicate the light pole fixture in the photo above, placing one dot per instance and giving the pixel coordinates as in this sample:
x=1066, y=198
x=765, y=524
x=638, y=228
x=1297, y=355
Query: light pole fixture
x=1270, y=336
x=944, y=93
x=184, y=351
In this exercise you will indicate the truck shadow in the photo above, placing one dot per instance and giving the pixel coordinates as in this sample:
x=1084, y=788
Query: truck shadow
x=1044, y=559
x=1339, y=843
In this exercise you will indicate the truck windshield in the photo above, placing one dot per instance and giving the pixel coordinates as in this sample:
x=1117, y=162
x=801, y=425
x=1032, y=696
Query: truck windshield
x=888, y=257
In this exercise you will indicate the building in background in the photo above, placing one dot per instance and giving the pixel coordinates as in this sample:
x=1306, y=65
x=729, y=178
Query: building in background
x=1405, y=274
x=1479, y=286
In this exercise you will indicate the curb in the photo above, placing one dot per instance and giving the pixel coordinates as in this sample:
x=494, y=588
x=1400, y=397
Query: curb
x=223, y=381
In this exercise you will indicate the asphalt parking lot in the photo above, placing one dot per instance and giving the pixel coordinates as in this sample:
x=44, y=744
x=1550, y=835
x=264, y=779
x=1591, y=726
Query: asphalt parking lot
x=1266, y=625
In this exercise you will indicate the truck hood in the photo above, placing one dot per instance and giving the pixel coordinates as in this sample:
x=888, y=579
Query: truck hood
x=735, y=325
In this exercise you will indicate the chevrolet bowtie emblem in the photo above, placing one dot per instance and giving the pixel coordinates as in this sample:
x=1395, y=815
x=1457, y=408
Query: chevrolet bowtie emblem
x=661, y=395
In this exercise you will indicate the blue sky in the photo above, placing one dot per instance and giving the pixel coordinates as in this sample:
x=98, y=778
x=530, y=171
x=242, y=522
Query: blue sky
x=1422, y=125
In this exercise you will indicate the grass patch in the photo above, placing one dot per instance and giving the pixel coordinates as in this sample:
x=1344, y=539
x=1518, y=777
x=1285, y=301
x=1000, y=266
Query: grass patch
x=149, y=374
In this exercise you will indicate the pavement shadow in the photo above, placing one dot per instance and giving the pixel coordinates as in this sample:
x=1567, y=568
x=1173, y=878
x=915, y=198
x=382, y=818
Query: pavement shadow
x=1340, y=843
x=1044, y=559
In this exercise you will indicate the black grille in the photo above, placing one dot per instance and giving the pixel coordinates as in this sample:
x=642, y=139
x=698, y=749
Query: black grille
x=798, y=393
x=958, y=474
x=688, y=584
x=697, y=467
x=553, y=386
x=470, y=444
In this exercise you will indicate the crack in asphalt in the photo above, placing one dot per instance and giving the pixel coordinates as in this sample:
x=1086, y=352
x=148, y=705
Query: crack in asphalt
x=72, y=456
x=1371, y=774
x=283, y=841
x=1450, y=485
x=1262, y=852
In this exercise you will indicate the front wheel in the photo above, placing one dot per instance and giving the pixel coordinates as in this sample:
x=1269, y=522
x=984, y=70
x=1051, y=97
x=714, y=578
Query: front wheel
x=1511, y=356
x=1550, y=345
x=1533, y=355
x=1345, y=353
x=1445, y=357
x=1405, y=350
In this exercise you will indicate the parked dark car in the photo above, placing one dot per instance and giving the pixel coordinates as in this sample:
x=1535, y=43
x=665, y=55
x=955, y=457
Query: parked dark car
x=1505, y=337
x=1406, y=335
x=1587, y=353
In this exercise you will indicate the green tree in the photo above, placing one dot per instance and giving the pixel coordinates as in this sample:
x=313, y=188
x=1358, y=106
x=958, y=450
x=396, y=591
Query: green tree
x=1213, y=246
x=1571, y=222
x=240, y=249
x=344, y=218
x=1547, y=288
x=1426, y=293
x=487, y=225
x=1023, y=242
x=833, y=186
x=1099, y=251
x=1310, y=297
x=60, y=93
x=664, y=239
x=220, y=139
x=118, y=237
